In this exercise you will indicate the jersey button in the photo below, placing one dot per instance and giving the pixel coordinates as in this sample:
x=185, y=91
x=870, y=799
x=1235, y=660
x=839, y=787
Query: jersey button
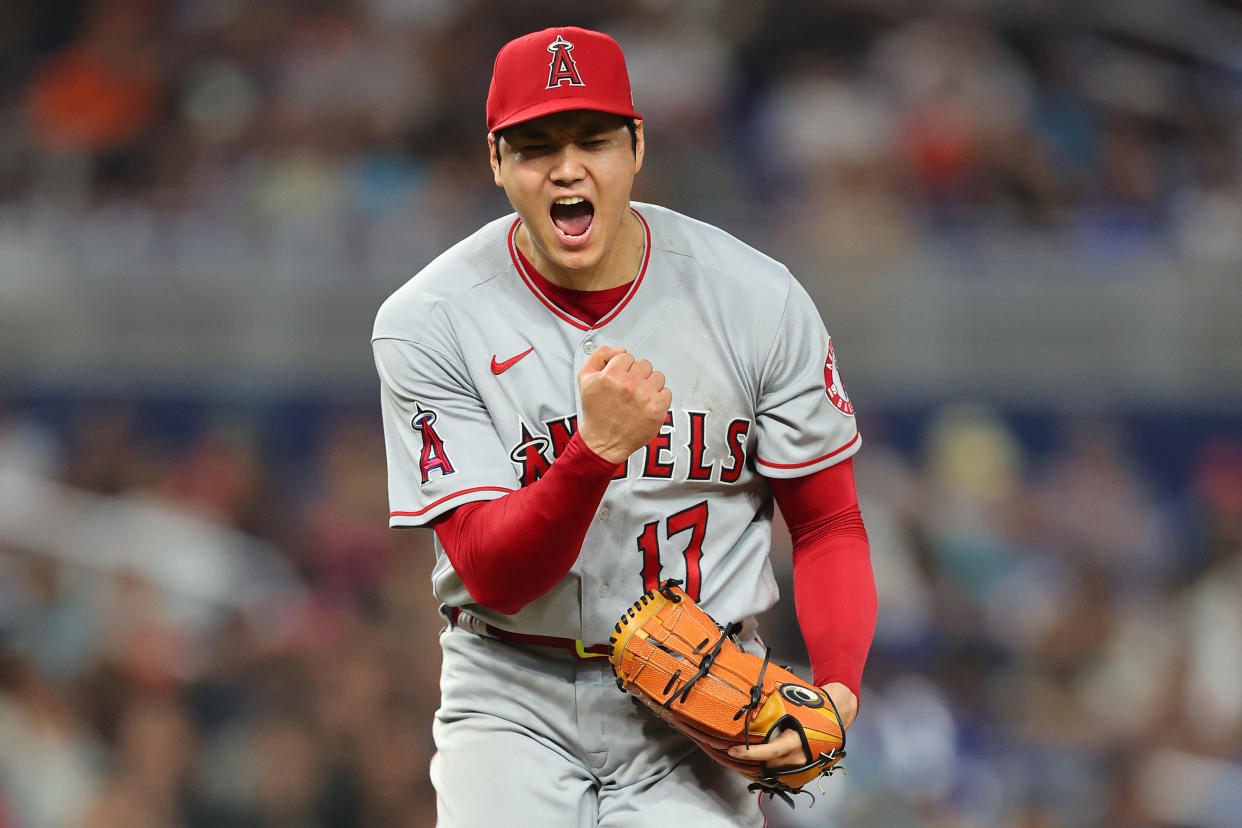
x=588, y=347
x=604, y=513
x=603, y=591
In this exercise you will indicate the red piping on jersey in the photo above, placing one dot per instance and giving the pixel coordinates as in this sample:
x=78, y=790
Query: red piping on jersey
x=431, y=506
x=530, y=283
x=808, y=462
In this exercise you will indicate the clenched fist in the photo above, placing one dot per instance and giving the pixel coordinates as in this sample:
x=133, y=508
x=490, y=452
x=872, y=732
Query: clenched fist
x=624, y=403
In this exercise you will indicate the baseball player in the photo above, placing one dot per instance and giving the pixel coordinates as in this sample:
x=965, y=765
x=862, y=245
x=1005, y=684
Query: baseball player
x=585, y=398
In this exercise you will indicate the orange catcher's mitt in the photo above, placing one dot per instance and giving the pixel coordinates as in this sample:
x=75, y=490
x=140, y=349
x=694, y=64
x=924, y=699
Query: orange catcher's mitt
x=670, y=654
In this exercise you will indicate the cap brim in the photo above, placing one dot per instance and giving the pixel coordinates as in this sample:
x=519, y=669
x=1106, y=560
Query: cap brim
x=552, y=107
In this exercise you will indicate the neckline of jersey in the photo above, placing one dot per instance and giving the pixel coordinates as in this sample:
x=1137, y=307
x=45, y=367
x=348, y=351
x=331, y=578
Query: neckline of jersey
x=551, y=306
x=587, y=306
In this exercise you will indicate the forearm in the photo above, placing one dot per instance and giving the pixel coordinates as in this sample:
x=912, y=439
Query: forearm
x=834, y=586
x=511, y=550
x=834, y=593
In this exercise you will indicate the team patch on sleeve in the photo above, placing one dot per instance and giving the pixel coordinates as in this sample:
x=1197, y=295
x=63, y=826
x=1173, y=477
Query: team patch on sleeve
x=832, y=383
x=434, y=457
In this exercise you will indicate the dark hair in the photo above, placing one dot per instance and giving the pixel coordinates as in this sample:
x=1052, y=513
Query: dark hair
x=630, y=123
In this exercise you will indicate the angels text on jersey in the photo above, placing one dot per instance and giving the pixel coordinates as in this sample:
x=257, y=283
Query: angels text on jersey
x=661, y=459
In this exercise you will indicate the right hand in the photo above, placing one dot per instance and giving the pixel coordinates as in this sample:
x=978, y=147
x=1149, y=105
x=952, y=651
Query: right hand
x=624, y=403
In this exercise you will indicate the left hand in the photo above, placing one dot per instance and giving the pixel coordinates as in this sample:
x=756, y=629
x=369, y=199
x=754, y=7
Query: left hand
x=786, y=750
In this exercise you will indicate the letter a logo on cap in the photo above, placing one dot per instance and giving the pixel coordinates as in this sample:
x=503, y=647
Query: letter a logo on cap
x=562, y=69
x=515, y=95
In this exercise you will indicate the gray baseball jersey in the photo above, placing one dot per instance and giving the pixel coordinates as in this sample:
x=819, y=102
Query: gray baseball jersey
x=479, y=394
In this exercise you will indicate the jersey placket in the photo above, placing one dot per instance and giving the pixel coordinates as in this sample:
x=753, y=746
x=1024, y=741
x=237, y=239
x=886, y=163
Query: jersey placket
x=611, y=512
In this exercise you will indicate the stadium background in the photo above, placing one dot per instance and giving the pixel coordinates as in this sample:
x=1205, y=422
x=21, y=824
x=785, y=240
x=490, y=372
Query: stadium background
x=1022, y=222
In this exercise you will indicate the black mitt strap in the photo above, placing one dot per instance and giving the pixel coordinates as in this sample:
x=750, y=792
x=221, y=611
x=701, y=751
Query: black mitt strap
x=705, y=665
x=771, y=784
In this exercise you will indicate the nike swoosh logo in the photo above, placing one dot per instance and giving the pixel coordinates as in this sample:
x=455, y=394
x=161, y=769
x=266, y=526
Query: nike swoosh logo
x=501, y=367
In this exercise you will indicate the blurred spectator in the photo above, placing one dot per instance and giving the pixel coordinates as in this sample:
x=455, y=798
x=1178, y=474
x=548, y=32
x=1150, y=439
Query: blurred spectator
x=344, y=540
x=1213, y=606
x=140, y=640
x=218, y=478
x=974, y=468
x=27, y=447
x=101, y=93
x=1098, y=506
x=47, y=767
x=965, y=99
x=105, y=455
x=56, y=627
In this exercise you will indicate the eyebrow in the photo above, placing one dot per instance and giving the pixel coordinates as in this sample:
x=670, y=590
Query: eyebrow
x=589, y=128
x=528, y=134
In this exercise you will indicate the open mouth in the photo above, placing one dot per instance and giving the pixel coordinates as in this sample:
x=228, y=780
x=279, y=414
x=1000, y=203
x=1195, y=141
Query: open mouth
x=572, y=216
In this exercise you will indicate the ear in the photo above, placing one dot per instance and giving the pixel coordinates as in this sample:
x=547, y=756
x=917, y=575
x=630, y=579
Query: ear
x=640, y=146
x=493, y=156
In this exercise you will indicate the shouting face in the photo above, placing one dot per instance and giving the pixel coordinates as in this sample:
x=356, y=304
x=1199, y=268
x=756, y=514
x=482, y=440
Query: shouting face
x=569, y=177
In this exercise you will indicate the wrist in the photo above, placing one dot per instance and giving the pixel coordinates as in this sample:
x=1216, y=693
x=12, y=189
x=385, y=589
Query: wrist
x=605, y=453
x=600, y=458
x=845, y=700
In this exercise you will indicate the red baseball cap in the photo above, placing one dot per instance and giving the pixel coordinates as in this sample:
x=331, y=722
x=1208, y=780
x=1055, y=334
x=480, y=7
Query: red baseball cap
x=556, y=70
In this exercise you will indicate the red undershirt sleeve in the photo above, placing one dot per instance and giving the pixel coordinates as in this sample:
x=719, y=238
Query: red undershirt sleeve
x=834, y=586
x=511, y=550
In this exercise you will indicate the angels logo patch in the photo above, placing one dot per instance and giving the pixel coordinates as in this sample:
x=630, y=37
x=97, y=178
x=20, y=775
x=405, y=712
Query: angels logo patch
x=433, y=457
x=832, y=383
x=563, y=68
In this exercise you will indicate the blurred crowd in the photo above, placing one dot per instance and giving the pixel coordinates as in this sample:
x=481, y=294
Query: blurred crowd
x=1059, y=639
x=338, y=140
x=1060, y=630
x=311, y=711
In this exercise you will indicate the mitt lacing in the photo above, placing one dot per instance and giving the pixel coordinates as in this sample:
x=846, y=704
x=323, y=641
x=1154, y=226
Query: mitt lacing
x=755, y=692
x=705, y=665
x=666, y=589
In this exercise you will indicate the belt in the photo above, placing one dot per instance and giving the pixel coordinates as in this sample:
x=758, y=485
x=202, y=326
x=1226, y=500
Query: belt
x=458, y=617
